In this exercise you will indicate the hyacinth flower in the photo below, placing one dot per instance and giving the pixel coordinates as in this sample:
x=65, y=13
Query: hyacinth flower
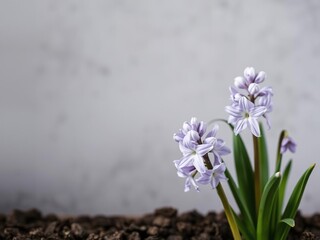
x=196, y=161
x=260, y=196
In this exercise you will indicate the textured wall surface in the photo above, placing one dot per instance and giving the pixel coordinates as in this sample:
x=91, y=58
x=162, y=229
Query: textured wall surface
x=92, y=91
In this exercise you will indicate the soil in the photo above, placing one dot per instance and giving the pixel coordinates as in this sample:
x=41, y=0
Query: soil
x=164, y=223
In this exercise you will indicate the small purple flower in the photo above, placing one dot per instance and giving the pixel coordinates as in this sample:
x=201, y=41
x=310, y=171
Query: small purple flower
x=213, y=176
x=193, y=153
x=266, y=102
x=219, y=149
x=246, y=113
x=196, y=149
x=188, y=174
x=235, y=95
x=288, y=143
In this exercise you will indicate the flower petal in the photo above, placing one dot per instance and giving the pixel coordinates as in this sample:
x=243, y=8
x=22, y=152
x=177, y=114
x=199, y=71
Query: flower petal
x=214, y=131
x=205, y=177
x=185, y=150
x=210, y=140
x=199, y=164
x=254, y=126
x=249, y=73
x=233, y=111
x=258, y=111
x=201, y=128
x=260, y=77
x=176, y=163
x=245, y=104
x=186, y=161
x=240, y=126
x=220, y=148
x=232, y=120
x=204, y=148
x=267, y=121
x=240, y=82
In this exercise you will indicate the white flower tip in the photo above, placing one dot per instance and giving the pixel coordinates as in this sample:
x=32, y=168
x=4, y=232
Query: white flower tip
x=260, y=77
x=249, y=73
x=278, y=174
x=240, y=82
x=193, y=120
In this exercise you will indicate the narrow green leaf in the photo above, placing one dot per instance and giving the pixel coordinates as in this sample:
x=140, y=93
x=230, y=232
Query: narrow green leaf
x=289, y=221
x=293, y=203
x=278, y=201
x=246, y=232
x=275, y=215
x=263, y=156
x=283, y=184
x=244, y=174
x=267, y=199
x=245, y=214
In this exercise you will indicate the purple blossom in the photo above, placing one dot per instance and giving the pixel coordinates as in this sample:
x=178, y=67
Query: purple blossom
x=265, y=91
x=288, y=143
x=219, y=149
x=194, y=125
x=213, y=176
x=193, y=156
x=249, y=76
x=244, y=114
x=195, y=149
x=246, y=108
x=266, y=102
x=193, y=153
x=235, y=95
x=186, y=173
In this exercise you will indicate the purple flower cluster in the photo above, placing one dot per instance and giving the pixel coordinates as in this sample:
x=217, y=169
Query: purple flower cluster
x=195, y=149
x=249, y=102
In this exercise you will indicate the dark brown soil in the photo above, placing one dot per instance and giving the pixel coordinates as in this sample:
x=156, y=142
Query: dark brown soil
x=164, y=223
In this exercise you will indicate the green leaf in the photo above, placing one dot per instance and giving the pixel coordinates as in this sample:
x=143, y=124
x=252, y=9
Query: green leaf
x=263, y=157
x=283, y=184
x=244, y=174
x=278, y=202
x=293, y=203
x=289, y=221
x=266, y=207
x=246, y=232
x=246, y=224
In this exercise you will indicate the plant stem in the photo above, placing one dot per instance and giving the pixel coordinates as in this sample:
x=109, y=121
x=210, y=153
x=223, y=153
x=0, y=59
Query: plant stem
x=229, y=213
x=257, y=177
x=279, y=155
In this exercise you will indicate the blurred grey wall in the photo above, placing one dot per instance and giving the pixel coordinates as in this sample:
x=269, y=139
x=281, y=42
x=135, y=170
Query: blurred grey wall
x=92, y=91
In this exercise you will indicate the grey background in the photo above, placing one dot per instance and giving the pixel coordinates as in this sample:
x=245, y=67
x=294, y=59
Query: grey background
x=92, y=91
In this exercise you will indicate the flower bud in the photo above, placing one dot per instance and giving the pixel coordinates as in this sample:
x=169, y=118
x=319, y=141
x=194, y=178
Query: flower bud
x=253, y=88
x=249, y=73
x=240, y=82
x=194, y=135
x=260, y=77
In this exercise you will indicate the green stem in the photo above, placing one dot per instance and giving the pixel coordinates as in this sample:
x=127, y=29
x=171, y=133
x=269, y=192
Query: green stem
x=257, y=177
x=283, y=134
x=228, y=212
